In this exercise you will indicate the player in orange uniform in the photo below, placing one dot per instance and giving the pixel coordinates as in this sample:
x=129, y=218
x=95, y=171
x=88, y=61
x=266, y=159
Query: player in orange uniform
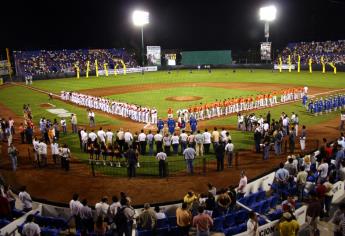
x=170, y=112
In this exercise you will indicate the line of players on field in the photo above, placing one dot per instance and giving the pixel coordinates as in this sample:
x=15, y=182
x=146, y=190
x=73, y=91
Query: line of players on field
x=236, y=105
x=132, y=111
x=327, y=104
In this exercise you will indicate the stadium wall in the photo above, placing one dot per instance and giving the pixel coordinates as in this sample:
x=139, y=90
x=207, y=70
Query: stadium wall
x=222, y=57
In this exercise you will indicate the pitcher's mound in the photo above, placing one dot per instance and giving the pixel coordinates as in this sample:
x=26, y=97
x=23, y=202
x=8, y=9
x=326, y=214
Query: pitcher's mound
x=183, y=98
x=46, y=105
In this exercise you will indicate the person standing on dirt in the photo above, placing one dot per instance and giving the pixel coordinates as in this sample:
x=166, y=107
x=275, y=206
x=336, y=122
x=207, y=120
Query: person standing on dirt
x=74, y=123
x=12, y=153
x=189, y=155
x=132, y=160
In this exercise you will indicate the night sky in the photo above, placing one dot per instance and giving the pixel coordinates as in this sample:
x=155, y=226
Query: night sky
x=187, y=25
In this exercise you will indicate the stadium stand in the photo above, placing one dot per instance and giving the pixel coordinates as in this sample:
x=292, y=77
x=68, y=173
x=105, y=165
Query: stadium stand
x=45, y=62
x=333, y=51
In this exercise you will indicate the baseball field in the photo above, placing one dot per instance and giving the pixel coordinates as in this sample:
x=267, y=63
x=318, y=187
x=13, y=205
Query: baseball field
x=178, y=89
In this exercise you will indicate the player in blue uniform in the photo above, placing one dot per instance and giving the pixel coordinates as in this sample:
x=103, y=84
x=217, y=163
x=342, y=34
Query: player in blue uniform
x=160, y=125
x=316, y=107
x=171, y=125
x=193, y=123
x=320, y=106
x=304, y=100
x=311, y=106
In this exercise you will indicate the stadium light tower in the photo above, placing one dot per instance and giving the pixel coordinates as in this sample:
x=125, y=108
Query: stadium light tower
x=141, y=18
x=267, y=14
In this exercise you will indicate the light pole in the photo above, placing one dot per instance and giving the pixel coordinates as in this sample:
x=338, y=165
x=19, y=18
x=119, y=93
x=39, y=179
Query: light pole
x=267, y=14
x=141, y=18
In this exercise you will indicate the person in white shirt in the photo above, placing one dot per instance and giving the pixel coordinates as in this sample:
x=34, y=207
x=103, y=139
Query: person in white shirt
x=160, y=215
x=84, y=137
x=323, y=169
x=175, y=143
x=35, y=143
x=142, y=142
x=91, y=116
x=161, y=157
x=229, y=152
x=241, y=190
x=222, y=135
x=75, y=207
x=30, y=228
x=101, y=135
x=121, y=139
x=55, y=151
x=109, y=136
x=252, y=224
x=183, y=140
x=115, y=205
x=128, y=139
x=207, y=141
x=150, y=139
x=158, y=140
x=42, y=151
x=63, y=125
x=25, y=199
x=102, y=207
x=93, y=136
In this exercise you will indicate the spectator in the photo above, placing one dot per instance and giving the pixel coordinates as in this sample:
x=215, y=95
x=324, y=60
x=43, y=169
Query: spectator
x=147, y=219
x=102, y=207
x=203, y=222
x=282, y=176
x=290, y=167
x=301, y=182
x=252, y=224
x=161, y=157
x=328, y=196
x=9, y=195
x=241, y=190
x=288, y=226
x=184, y=219
x=313, y=213
x=75, y=207
x=189, y=155
x=289, y=204
x=175, y=143
x=212, y=189
x=303, y=138
x=114, y=207
x=5, y=208
x=229, y=150
x=159, y=215
x=132, y=160
x=66, y=156
x=323, y=170
x=30, y=227
x=25, y=199
x=86, y=218
x=210, y=203
x=12, y=153
x=207, y=141
x=124, y=217
x=189, y=198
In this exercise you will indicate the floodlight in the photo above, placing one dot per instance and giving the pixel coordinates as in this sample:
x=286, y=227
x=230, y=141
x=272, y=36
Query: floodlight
x=268, y=13
x=140, y=18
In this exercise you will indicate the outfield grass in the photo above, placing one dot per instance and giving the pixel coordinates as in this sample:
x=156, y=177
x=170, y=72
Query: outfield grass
x=156, y=98
x=328, y=80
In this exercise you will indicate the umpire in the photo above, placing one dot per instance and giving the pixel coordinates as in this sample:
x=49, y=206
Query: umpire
x=161, y=157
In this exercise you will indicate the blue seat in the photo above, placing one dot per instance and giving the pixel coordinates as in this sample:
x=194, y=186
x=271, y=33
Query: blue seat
x=59, y=223
x=231, y=231
x=17, y=213
x=41, y=220
x=144, y=233
x=161, y=223
x=251, y=199
x=243, y=200
x=265, y=206
x=275, y=215
x=172, y=221
x=229, y=220
x=261, y=195
x=242, y=227
x=261, y=221
x=174, y=231
x=273, y=200
x=257, y=207
x=162, y=231
x=218, y=224
x=4, y=222
x=241, y=216
x=49, y=232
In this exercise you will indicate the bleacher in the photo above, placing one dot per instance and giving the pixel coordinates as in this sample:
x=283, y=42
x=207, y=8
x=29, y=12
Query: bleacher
x=263, y=197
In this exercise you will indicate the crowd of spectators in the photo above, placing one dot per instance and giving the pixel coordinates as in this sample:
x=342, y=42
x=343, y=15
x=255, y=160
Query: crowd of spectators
x=31, y=63
x=332, y=51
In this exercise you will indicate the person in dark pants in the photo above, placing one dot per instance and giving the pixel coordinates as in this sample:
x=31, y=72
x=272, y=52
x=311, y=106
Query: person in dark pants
x=65, y=156
x=161, y=157
x=132, y=160
x=257, y=138
x=28, y=134
x=220, y=157
x=292, y=139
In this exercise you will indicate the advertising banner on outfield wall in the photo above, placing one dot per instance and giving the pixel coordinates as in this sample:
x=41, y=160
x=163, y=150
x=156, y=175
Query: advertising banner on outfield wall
x=285, y=67
x=265, y=50
x=129, y=70
x=153, y=54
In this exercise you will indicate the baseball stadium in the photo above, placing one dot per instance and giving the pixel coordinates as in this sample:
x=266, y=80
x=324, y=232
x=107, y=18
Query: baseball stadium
x=198, y=140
